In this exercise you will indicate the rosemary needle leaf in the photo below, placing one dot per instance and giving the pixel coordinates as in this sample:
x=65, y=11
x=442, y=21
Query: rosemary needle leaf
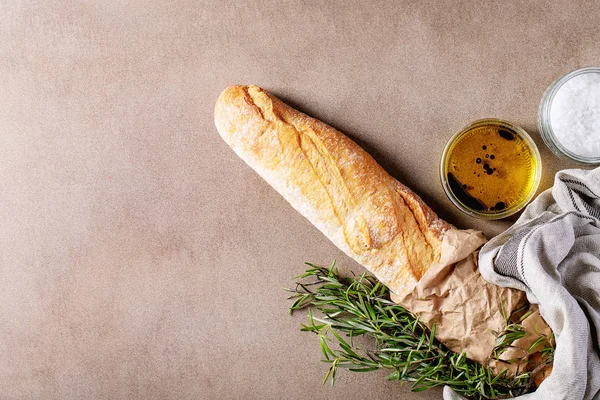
x=432, y=336
x=364, y=369
x=325, y=348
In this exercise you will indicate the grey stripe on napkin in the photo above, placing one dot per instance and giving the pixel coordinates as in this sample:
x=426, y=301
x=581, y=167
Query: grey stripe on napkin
x=507, y=259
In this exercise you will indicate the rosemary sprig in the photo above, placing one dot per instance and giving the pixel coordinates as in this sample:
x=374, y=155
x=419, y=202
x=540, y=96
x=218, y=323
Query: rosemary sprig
x=361, y=306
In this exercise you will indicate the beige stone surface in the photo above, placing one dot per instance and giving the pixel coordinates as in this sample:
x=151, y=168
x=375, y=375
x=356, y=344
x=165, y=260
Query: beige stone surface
x=140, y=258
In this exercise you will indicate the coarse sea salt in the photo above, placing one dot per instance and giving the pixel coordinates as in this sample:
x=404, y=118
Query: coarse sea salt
x=575, y=114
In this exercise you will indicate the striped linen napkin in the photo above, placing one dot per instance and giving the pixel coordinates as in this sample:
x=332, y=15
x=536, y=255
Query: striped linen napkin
x=553, y=254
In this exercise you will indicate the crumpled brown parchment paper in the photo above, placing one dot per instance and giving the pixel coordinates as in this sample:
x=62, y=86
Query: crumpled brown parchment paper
x=466, y=309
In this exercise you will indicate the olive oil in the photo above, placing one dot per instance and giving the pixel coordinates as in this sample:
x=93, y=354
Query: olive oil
x=492, y=168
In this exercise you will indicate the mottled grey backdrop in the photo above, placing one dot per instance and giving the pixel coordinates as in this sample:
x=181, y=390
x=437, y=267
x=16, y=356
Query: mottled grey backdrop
x=139, y=257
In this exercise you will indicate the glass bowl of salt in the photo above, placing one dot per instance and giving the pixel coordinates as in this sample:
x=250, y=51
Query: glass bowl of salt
x=569, y=116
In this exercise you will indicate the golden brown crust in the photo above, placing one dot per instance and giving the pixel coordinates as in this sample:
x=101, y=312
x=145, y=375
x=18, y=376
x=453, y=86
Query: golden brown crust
x=335, y=184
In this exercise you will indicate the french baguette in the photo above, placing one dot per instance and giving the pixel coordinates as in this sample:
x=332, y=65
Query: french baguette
x=335, y=184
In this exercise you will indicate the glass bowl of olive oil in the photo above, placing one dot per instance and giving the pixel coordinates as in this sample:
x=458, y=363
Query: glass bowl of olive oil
x=490, y=169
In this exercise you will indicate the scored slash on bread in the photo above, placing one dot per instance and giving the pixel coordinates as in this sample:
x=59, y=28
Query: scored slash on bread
x=335, y=184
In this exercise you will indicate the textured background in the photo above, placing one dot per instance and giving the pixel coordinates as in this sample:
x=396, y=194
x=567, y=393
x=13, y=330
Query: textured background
x=140, y=258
